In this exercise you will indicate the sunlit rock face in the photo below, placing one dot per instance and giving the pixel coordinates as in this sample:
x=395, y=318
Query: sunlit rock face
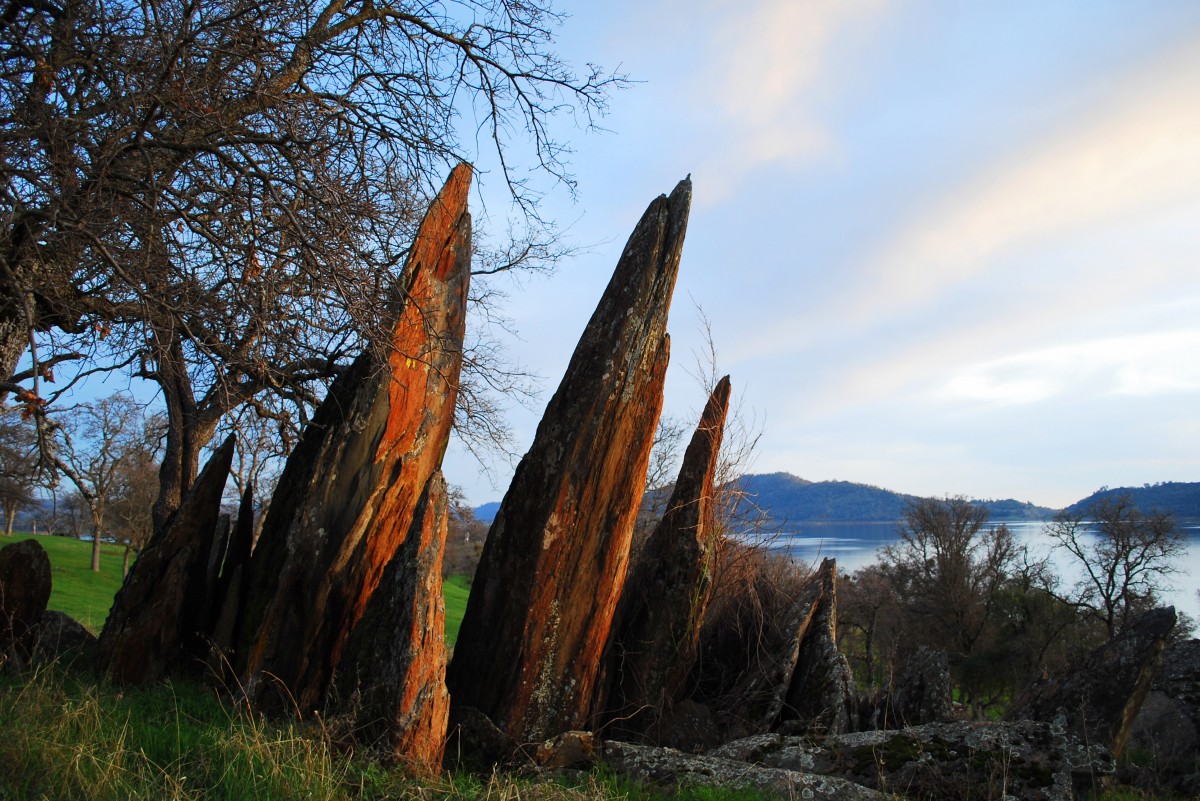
x=556, y=557
x=163, y=615
x=657, y=624
x=392, y=677
x=347, y=497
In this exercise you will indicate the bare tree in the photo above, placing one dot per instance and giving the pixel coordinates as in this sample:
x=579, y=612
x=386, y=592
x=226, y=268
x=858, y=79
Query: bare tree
x=131, y=501
x=18, y=466
x=1127, y=556
x=217, y=196
x=98, y=443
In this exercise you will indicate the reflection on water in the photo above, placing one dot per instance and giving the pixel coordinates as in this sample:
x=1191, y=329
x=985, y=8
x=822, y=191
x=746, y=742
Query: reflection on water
x=856, y=545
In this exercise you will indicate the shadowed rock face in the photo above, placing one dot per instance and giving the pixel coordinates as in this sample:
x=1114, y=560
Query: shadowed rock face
x=657, y=623
x=24, y=592
x=394, y=668
x=163, y=614
x=555, y=560
x=821, y=697
x=1101, y=697
x=346, y=498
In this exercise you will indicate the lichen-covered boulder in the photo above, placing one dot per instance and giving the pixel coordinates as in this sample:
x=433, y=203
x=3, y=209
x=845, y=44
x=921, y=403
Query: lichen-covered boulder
x=547, y=585
x=1100, y=698
x=1026, y=760
x=667, y=768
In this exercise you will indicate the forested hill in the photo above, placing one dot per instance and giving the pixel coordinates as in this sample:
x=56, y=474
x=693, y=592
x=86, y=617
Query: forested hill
x=790, y=499
x=1180, y=498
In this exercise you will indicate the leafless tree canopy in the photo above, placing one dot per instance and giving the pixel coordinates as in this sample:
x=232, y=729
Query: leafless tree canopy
x=217, y=194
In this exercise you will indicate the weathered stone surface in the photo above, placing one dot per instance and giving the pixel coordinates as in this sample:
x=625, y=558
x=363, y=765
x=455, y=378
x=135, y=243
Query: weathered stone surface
x=556, y=557
x=474, y=741
x=657, y=622
x=1167, y=727
x=231, y=589
x=649, y=765
x=347, y=496
x=757, y=699
x=820, y=697
x=394, y=667
x=1027, y=760
x=1101, y=697
x=160, y=618
x=24, y=591
x=571, y=749
x=59, y=637
x=919, y=694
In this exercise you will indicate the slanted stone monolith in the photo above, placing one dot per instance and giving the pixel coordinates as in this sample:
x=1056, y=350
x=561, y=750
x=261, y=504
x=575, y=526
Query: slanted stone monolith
x=1100, y=698
x=547, y=585
x=392, y=676
x=160, y=618
x=820, y=697
x=657, y=623
x=24, y=592
x=346, y=499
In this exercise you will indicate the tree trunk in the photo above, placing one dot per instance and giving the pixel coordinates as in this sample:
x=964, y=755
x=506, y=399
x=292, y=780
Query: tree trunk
x=14, y=339
x=187, y=431
x=97, y=527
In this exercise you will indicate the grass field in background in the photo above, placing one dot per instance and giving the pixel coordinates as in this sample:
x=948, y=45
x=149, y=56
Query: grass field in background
x=75, y=589
x=87, y=596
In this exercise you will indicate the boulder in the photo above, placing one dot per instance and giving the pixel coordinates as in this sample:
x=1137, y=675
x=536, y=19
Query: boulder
x=665, y=767
x=161, y=617
x=61, y=638
x=1100, y=698
x=1026, y=760
x=1167, y=728
x=657, y=622
x=556, y=556
x=820, y=697
x=24, y=592
x=395, y=660
x=347, y=496
x=920, y=693
x=574, y=750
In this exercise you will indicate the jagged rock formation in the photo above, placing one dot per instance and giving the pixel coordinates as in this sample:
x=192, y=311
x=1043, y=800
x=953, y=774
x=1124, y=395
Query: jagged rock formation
x=920, y=693
x=24, y=592
x=231, y=588
x=805, y=683
x=665, y=766
x=1027, y=760
x=346, y=499
x=163, y=614
x=556, y=557
x=394, y=668
x=657, y=623
x=1101, y=697
x=820, y=697
x=1168, y=726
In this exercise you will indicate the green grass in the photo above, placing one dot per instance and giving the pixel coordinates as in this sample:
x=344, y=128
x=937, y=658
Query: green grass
x=75, y=589
x=87, y=596
x=455, y=590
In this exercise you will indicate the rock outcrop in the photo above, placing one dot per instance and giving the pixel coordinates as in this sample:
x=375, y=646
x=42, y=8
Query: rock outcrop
x=1167, y=728
x=162, y=616
x=657, y=623
x=1026, y=760
x=920, y=693
x=666, y=767
x=394, y=668
x=557, y=553
x=346, y=498
x=1101, y=697
x=25, y=580
x=820, y=696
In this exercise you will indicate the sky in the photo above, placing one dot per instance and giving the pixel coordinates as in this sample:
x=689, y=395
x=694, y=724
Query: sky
x=942, y=247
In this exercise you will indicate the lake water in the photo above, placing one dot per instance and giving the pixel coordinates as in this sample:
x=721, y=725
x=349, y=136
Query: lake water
x=856, y=545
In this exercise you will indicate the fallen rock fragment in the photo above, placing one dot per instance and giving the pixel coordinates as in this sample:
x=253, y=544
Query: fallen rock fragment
x=25, y=580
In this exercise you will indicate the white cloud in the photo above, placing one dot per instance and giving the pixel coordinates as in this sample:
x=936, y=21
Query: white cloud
x=766, y=65
x=1137, y=152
